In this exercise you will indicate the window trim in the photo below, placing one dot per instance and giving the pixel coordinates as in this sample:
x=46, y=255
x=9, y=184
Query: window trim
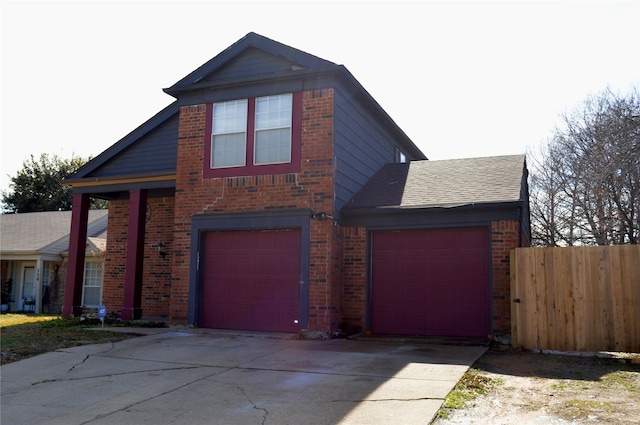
x=257, y=130
x=228, y=133
x=251, y=169
x=84, y=281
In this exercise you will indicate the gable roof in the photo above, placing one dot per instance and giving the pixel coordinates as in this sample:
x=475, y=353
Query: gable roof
x=443, y=184
x=46, y=232
x=296, y=58
x=114, y=150
x=235, y=68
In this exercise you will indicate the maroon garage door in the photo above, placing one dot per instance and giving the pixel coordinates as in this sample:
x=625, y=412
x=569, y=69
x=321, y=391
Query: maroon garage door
x=431, y=282
x=251, y=280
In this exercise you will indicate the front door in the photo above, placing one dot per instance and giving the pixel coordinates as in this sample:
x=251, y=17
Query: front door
x=28, y=286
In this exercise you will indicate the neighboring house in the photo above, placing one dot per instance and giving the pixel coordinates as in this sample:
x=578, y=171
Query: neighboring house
x=275, y=194
x=33, y=257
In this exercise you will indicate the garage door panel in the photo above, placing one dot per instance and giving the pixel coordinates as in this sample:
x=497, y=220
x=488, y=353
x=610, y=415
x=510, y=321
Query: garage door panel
x=431, y=282
x=250, y=280
x=469, y=297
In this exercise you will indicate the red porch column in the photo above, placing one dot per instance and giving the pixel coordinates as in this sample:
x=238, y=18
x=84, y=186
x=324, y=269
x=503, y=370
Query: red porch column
x=77, y=246
x=132, y=306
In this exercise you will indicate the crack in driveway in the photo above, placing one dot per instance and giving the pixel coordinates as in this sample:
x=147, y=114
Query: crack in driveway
x=131, y=372
x=244, y=393
x=183, y=366
x=150, y=398
x=283, y=384
x=79, y=363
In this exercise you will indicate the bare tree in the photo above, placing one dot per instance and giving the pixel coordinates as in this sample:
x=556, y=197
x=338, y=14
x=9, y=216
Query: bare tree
x=586, y=179
x=552, y=211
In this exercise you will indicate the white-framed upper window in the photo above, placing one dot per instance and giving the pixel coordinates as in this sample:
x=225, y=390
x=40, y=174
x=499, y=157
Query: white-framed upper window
x=273, y=129
x=92, y=285
x=229, y=134
x=253, y=136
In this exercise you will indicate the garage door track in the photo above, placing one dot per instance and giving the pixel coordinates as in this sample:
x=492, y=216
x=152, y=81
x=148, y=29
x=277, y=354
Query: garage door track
x=176, y=376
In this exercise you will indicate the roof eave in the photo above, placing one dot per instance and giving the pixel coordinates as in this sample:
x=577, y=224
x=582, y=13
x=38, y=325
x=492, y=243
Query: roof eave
x=112, y=180
x=149, y=125
x=176, y=91
x=339, y=72
x=399, y=209
x=29, y=255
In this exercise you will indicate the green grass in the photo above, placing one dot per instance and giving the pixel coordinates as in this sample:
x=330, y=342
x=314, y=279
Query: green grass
x=621, y=379
x=584, y=409
x=470, y=386
x=10, y=319
x=23, y=336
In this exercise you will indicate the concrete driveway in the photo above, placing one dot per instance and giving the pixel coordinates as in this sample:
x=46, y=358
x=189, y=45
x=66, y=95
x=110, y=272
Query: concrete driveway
x=175, y=376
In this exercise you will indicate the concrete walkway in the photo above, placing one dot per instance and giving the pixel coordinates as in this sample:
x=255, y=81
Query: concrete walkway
x=174, y=376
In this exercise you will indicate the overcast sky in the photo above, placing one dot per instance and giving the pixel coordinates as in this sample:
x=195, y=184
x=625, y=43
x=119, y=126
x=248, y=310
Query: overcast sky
x=461, y=79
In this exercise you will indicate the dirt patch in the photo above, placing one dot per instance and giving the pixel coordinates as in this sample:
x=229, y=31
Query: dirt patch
x=534, y=388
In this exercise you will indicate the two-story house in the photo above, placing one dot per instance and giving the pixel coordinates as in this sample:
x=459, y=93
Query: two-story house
x=275, y=194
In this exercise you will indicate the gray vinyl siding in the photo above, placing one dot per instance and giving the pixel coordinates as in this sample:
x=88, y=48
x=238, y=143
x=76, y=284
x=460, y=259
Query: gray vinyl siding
x=250, y=63
x=361, y=147
x=155, y=152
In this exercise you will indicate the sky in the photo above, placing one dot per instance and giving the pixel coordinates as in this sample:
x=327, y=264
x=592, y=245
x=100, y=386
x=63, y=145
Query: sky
x=461, y=78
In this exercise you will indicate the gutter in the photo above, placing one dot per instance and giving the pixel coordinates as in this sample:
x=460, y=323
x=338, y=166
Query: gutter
x=352, y=212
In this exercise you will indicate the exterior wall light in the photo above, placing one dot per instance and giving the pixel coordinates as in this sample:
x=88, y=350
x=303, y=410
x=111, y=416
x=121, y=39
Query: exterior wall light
x=321, y=216
x=161, y=250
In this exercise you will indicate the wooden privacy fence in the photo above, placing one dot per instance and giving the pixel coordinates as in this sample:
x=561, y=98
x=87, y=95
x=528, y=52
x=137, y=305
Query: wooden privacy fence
x=576, y=298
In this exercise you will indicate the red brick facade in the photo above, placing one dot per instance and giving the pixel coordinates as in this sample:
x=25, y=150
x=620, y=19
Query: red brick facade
x=156, y=280
x=505, y=236
x=115, y=257
x=337, y=255
x=354, y=277
x=300, y=193
x=311, y=189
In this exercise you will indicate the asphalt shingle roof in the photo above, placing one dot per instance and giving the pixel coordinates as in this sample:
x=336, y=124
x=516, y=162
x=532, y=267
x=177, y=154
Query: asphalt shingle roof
x=443, y=184
x=31, y=232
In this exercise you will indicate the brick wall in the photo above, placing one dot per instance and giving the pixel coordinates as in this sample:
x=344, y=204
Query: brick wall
x=156, y=279
x=354, y=294
x=504, y=238
x=338, y=257
x=336, y=277
x=312, y=189
x=192, y=195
